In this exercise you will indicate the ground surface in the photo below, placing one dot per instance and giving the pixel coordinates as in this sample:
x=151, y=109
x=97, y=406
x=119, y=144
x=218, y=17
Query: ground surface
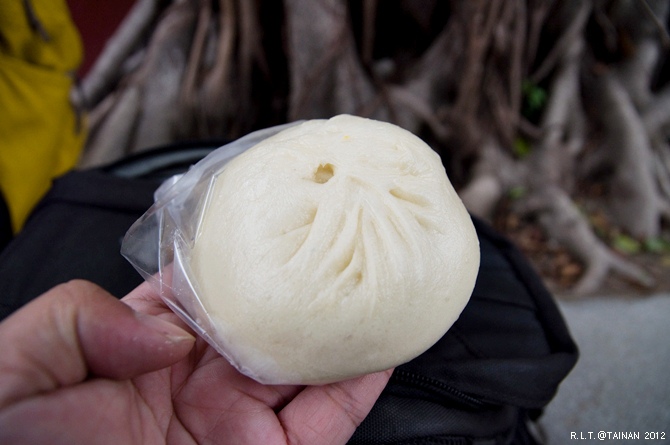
x=561, y=271
x=621, y=382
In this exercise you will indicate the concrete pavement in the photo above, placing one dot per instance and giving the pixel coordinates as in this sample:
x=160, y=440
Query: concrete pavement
x=621, y=383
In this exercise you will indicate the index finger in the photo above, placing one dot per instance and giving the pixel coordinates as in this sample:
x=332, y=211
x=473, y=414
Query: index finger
x=330, y=414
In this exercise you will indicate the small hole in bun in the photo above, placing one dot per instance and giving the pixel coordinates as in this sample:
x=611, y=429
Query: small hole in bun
x=323, y=173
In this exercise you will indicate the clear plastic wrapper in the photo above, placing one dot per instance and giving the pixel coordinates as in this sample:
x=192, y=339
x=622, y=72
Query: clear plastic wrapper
x=158, y=244
x=313, y=257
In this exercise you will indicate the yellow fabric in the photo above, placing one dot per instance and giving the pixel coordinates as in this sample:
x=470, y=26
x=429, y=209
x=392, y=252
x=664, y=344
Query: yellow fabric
x=39, y=134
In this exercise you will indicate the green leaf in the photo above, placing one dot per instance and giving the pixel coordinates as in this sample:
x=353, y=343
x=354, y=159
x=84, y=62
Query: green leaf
x=656, y=245
x=521, y=148
x=517, y=192
x=536, y=97
x=626, y=244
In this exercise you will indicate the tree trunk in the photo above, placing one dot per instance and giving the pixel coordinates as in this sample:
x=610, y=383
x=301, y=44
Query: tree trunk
x=538, y=97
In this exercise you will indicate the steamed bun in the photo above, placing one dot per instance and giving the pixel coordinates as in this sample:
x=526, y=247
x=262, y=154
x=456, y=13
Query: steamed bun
x=332, y=249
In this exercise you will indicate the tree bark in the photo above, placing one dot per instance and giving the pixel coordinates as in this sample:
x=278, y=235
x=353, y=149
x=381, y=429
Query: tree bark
x=455, y=73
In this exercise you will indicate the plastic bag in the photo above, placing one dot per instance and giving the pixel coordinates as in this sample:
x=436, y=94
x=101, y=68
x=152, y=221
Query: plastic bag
x=158, y=244
x=311, y=259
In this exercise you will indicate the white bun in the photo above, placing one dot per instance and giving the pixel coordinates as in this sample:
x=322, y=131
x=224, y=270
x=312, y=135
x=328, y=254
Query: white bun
x=333, y=249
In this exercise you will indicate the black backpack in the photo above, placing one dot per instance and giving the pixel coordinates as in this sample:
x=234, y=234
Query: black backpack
x=484, y=382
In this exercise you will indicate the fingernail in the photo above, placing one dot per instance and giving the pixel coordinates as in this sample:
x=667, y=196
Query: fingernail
x=173, y=333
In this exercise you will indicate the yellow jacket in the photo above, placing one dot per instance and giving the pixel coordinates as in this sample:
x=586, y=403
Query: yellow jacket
x=40, y=136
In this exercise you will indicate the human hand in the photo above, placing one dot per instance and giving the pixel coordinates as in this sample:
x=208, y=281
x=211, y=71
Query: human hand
x=78, y=366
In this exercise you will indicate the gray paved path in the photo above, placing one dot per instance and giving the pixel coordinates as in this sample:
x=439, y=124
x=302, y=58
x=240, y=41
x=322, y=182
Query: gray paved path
x=622, y=380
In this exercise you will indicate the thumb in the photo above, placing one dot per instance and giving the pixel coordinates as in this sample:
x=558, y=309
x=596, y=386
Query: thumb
x=75, y=330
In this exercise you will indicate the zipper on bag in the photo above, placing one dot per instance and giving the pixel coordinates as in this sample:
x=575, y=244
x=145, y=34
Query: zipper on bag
x=436, y=386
